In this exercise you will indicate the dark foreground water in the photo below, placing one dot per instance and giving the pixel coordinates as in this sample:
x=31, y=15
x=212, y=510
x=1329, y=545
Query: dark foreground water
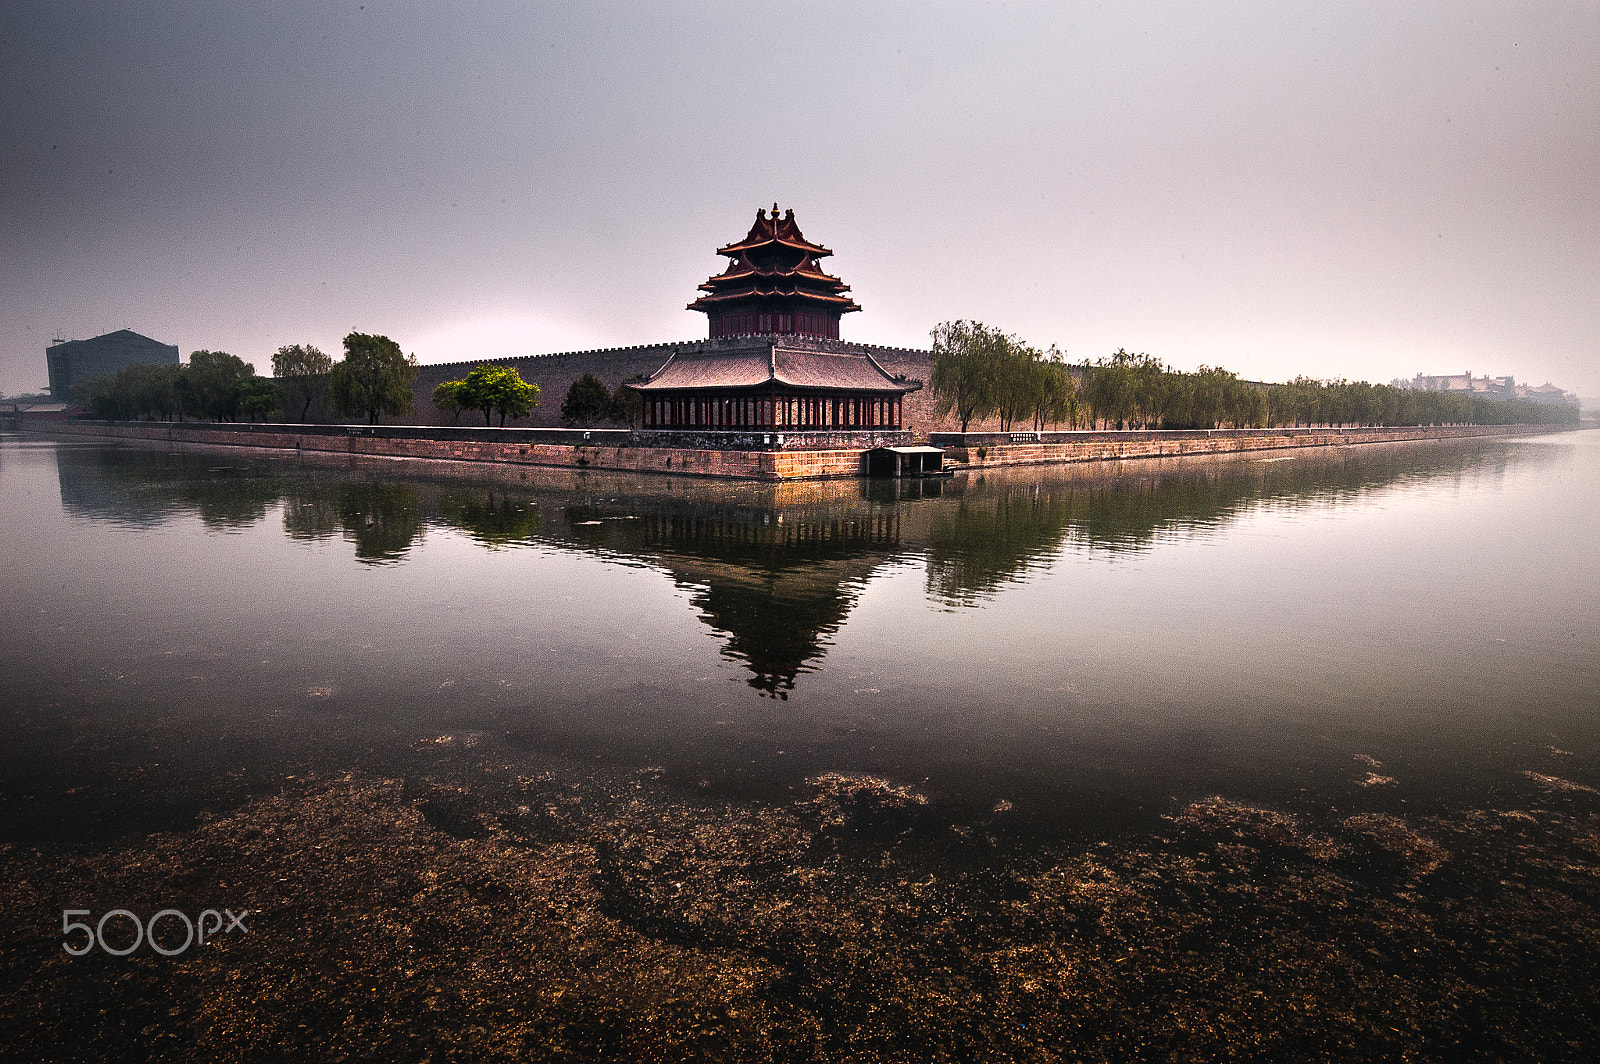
x=532, y=764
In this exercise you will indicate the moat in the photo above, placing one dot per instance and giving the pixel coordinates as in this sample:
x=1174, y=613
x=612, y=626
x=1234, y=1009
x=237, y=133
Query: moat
x=1269, y=755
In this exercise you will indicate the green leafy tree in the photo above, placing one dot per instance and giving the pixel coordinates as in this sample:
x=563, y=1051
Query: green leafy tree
x=1111, y=387
x=588, y=400
x=447, y=397
x=303, y=372
x=136, y=391
x=259, y=397
x=157, y=389
x=374, y=379
x=213, y=384
x=498, y=388
x=97, y=396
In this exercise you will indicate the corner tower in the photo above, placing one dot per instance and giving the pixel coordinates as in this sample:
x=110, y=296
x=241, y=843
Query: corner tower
x=774, y=285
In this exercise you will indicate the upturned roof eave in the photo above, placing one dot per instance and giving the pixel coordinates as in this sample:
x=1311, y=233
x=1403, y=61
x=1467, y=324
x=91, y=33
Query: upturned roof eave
x=887, y=387
x=758, y=271
x=749, y=285
x=816, y=250
x=843, y=303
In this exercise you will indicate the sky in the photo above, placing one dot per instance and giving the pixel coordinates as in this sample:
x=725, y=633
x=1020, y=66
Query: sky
x=1358, y=190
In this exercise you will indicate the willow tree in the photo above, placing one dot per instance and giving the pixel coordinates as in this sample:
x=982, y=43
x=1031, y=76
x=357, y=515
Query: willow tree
x=259, y=397
x=967, y=368
x=302, y=371
x=375, y=377
x=1055, y=396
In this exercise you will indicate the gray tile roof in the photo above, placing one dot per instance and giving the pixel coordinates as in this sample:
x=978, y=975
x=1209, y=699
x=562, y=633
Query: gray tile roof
x=774, y=363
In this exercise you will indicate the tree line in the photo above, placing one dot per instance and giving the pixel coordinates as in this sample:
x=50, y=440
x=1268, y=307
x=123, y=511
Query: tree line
x=373, y=379
x=979, y=373
x=982, y=373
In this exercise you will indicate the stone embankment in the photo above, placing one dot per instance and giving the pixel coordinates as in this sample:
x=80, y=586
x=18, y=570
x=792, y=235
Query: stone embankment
x=621, y=450
x=566, y=448
x=977, y=450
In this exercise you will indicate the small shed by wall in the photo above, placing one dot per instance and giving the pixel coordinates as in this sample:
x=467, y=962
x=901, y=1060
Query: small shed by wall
x=908, y=461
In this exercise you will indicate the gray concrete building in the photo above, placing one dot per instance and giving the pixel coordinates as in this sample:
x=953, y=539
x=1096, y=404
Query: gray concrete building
x=71, y=361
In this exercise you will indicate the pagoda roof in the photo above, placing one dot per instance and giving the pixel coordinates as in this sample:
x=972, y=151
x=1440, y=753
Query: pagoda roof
x=792, y=367
x=774, y=230
x=775, y=261
x=775, y=289
x=743, y=267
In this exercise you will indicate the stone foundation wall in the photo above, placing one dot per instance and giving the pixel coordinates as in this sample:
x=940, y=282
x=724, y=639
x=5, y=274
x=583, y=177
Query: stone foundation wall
x=772, y=439
x=615, y=451
x=503, y=448
x=977, y=450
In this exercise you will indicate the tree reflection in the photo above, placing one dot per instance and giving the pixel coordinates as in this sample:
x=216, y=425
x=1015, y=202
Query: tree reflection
x=131, y=486
x=494, y=519
x=1007, y=523
x=989, y=539
x=773, y=569
x=383, y=519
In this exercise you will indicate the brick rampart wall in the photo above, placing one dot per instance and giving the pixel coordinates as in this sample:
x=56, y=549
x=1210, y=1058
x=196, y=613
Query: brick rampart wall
x=555, y=373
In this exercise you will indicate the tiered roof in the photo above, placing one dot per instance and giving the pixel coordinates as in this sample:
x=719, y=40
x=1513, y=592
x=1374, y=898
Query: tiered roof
x=774, y=270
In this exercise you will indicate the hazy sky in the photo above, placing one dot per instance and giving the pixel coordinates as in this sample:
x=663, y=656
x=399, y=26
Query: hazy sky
x=1359, y=190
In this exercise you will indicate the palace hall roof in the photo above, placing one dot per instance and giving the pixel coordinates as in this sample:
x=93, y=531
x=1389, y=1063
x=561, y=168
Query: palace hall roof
x=773, y=363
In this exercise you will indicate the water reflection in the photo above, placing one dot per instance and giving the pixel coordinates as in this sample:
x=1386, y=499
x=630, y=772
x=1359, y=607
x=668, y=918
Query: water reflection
x=136, y=488
x=493, y=518
x=381, y=519
x=774, y=569
x=778, y=587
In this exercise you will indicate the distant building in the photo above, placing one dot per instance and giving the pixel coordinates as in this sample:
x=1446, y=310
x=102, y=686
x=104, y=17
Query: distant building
x=1489, y=388
x=1545, y=393
x=1461, y=382
x=71, y=361
x=14, y=412
x=1466, y=384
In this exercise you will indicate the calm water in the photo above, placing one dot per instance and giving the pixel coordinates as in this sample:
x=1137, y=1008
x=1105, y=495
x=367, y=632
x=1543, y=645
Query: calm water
x=1093, y=644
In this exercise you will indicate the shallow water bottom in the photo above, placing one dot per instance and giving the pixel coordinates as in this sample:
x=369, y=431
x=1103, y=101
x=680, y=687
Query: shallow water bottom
x=615, y=917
